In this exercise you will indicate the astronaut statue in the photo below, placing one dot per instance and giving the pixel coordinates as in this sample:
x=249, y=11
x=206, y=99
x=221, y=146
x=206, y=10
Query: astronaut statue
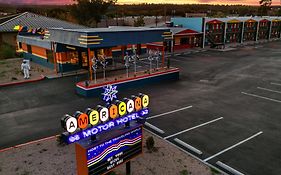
x=127, y=62
x=25, y=67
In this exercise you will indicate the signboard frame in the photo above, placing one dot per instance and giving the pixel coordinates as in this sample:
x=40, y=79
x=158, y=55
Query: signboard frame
x=82, y=148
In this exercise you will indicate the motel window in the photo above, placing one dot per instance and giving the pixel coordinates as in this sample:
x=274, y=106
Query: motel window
x=29, y=50
x=184, y=41
x=84, y=59
x=73, y=57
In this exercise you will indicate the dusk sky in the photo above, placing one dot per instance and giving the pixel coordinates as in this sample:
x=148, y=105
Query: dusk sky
x=248, y=2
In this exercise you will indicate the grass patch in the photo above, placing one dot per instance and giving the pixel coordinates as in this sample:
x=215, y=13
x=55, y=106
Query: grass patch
x=7, y=51
x=3, y=62
x=43, y=150
x=184, y=172
x=2, y=73
x=112, y=173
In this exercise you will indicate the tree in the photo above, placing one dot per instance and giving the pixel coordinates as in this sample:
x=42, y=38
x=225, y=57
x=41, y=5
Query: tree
x=90, y=12
x=139, y=21
x=279, y=12
x=264, y=7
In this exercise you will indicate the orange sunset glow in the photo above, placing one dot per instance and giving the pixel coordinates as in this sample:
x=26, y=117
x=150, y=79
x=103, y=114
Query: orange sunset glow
x=249, y=2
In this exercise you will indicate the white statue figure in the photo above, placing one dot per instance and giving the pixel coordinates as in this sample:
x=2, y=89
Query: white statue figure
x=25, y=67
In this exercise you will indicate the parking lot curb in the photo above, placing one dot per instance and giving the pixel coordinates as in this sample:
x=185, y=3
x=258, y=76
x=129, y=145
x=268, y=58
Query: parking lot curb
x=42, y=77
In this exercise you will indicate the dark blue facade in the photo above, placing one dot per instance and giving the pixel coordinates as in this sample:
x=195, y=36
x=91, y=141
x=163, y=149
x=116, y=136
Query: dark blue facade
x=172, y=76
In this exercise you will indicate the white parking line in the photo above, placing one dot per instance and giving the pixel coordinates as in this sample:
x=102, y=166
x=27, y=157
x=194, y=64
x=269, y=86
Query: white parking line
x=154, y=128
x=197, y=151
x=262, y=97
x=233, y=146
x=277, y=84
x=170, y=112
x=228, y=168
x=186, y=130
x=270, y=90
x=187, y=152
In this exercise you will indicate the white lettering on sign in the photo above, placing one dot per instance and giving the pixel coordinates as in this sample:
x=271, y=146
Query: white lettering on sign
x=71, y=124
x=130, y=106
x=104, y=115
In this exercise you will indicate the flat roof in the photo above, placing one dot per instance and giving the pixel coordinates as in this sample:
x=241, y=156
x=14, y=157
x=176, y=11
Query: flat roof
x=110, y=29
x=98, y=37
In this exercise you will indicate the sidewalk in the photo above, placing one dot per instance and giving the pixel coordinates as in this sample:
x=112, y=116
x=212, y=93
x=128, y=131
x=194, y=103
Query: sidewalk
x=185, y=52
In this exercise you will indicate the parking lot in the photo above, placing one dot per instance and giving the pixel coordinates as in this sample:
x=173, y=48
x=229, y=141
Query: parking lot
x=224, y=110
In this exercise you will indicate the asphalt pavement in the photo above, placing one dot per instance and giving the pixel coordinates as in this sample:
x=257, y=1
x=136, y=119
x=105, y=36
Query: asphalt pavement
x=225, y=108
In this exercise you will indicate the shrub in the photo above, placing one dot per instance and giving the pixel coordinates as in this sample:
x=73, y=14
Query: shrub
x=112, y=173
x=184, y=172
x=60, y=141
x=7, y=51
x=150, y=143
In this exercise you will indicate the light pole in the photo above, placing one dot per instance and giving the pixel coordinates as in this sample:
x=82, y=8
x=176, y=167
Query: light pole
x=135, y=58
x=127, y=64
x=150, y=58
x=104, y=63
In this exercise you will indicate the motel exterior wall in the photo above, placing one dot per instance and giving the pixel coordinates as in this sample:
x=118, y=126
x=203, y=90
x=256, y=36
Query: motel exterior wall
x=71, y=49
x=67, y=60
x=234, y=29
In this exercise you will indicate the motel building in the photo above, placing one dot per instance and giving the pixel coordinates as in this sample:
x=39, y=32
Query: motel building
x=233, y=29
x=181, y=38
x=72, y=49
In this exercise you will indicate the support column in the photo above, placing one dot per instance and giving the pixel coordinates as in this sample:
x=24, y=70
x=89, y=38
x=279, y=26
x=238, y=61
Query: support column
x=172, y=45
x=163, y=55
x=90, y=64
x=54, y=56
x=270, y=30
x=242, y=32
x=204, y=33
x=279, y=29
x=128, y=168
x=224, y=35
x=257, y=34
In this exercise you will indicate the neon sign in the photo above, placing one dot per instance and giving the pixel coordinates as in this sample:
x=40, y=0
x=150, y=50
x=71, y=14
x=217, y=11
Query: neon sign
x=102, y=114
x=82, y=125
x=72, y=138
x=110, y=92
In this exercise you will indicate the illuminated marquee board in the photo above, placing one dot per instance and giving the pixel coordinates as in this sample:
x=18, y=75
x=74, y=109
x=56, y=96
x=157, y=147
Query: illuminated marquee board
x=101, y=158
